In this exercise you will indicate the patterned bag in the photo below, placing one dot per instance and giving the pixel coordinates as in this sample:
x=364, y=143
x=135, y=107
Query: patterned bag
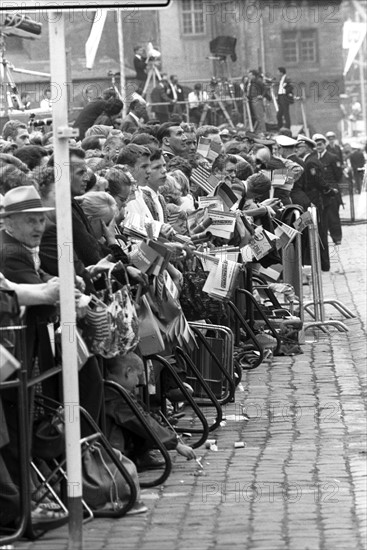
x=110, y=327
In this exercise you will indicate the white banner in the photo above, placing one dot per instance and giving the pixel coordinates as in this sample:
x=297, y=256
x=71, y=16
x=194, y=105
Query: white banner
x=353, y=36
x=91, y=45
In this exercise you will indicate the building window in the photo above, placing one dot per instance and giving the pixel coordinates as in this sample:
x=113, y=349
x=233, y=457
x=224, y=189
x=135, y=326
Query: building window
x=192, y=17
x=300, y=46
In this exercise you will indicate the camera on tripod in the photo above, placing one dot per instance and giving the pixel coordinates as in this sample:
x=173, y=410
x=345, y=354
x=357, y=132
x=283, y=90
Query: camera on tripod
x=16, y=24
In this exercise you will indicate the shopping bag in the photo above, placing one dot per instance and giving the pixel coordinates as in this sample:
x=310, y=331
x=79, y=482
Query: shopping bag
x=150, y=337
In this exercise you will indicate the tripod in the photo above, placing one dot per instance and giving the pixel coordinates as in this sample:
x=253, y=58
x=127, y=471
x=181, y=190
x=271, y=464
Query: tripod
x=153, y=75
x=10, y=90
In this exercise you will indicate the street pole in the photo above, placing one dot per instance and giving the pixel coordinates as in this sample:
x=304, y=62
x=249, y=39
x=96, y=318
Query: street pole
x=62, y=133
x=120, y=38
x=262, y=46
x=362, y=82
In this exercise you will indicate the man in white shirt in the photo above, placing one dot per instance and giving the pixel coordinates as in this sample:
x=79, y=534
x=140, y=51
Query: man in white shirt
x=197, y=100
x=158, y=176
x=46, y=102
x=285, y=98
x=137, y=158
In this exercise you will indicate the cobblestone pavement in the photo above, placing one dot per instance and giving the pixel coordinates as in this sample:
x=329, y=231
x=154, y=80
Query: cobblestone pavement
x=300, y=481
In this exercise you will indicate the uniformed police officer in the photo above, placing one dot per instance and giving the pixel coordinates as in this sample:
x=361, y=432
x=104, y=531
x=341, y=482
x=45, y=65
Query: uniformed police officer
x=333, y=173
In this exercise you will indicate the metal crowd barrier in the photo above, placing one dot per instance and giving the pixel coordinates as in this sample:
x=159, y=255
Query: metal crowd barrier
x=223, y=102
x=316, y=308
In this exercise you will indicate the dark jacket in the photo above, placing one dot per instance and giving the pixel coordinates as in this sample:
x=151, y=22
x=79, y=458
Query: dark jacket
x=89, y=115
x=17, y=265
x=140, y=66
x=332, y=169
x=129, y=124
x=298, y=194
x=159, y=95
x=315, y=185
x=256, y=88
x=336, y=150
x=87, y=249
x=126, y=433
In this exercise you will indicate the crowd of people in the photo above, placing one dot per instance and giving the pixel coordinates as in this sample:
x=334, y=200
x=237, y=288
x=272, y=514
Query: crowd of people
x=133, y=179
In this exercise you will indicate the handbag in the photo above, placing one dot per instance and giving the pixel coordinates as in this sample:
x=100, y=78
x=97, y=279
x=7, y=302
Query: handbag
x=48, y=440
x=103, y=484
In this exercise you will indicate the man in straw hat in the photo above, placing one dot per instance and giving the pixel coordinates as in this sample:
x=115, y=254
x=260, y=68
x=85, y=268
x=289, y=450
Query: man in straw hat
x=24, y=220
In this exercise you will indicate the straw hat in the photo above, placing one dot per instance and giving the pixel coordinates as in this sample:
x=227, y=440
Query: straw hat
x=22, y=199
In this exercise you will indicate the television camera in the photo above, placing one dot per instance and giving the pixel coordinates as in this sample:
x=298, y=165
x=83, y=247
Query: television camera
x=15, y=24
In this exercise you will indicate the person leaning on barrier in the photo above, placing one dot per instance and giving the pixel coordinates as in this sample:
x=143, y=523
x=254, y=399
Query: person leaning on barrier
x=24, y=221
x=290, y=170
x=27, y=295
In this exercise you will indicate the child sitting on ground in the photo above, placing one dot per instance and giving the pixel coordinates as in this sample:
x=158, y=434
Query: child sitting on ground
x=124, y=430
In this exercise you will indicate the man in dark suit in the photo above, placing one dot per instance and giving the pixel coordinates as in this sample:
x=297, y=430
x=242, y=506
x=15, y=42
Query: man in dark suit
x=285, y=98
x=140, y=64
x=333, y=147
x=332, y=172
x=316, y=188
x=132, y=121
x=24, y=223
x=89, y=115
x=175, y=94
x=159, y=95
x=256, y=91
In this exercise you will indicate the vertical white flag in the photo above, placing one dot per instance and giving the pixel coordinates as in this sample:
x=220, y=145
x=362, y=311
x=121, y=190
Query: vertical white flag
x=353, y=36
x=91, y=45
